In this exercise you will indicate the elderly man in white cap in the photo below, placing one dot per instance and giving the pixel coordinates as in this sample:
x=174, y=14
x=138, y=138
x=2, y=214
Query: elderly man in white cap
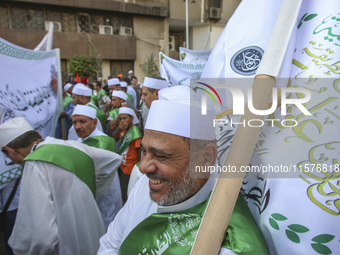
x=130, y=99
x=130, y=137
x=82, y=95
x=84, y=121
x=57, y=212
x=64, y=121
x=166, y=206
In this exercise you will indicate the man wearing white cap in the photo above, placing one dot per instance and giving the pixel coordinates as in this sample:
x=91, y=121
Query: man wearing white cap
x=84, y=121
x=64, y=121
x=130, y=137
x=118, y=100
x=166, y=206
x=130, y=99
x=82, y=95
x=150, y=89
x=57, y=212
x=113, y=84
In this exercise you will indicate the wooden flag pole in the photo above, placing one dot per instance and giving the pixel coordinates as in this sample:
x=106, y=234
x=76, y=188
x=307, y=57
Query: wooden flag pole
x=224, y=196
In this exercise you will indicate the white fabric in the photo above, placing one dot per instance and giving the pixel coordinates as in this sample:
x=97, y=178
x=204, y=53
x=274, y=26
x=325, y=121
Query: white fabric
x=111, y=203
x=123, y=84
x=131, y=112
x=178, y=72
x=37, y=97
x=155, y=83
x=134, y=177
x=67, y=86
x=57, y=213
x=308, y=201
x=138, y=207
x=132, y=92
x=12, y=129
x=81, y=90
x=119, y=94
x=113, y=81
x=85, y=111
x=194, y=56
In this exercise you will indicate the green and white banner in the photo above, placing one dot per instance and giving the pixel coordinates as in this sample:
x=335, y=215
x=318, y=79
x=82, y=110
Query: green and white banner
x=194, y=56
x=178, y=72
x=298, y=215
x=30, y=87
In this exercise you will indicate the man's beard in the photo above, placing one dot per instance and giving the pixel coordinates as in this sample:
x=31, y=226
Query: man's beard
x=180, y=190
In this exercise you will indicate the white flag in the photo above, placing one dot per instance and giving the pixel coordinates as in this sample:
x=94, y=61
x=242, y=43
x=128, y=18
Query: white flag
x=34, y=94
x=300, y=214
x=194, y=56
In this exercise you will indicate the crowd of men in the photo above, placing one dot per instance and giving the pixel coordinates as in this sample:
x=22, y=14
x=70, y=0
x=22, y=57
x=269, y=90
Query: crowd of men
x=77, y=195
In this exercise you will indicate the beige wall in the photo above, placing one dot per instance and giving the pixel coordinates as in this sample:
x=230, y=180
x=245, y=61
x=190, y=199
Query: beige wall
x=152, y=35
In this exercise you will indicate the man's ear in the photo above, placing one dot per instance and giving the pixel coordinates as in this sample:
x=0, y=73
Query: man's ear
x=209, y=154
x=156, y=91
x=8, y=149
x=95, y=121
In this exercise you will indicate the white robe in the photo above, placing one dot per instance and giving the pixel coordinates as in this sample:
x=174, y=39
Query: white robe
x=138, y=207
x=111, y=203
x=57, y=212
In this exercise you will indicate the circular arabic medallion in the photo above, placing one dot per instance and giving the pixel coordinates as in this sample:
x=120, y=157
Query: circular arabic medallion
x=247, y=60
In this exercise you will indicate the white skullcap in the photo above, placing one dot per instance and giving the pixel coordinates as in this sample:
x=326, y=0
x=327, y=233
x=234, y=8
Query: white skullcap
x=130, y=72
x=81, y=90
x=67, y=86
x=12, y=129
x=178, y=112
x=119, y=94
x=155, y=83
x=85, y=111
x=127, y=110
x=123, y=84
x=113, y=81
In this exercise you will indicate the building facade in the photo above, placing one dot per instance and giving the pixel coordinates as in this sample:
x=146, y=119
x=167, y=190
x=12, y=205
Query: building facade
x=124, y=33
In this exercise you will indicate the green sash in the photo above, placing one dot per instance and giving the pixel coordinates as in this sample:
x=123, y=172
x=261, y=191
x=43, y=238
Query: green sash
x=101, y=93
x=175, y=233
x=100, y=115
x=131, y=134
x=130, y=97
x=94, y=100
x=59, y=155
x=114, y=113
x=66, y=101
x=102, y=142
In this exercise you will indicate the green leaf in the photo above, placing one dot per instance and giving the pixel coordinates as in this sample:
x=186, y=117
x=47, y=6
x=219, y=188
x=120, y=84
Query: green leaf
x=298, y=228
x=292, y=236
x=321, y=249
x=278, y=217
x=274, y=224
x=309, y=17
x=323, y=238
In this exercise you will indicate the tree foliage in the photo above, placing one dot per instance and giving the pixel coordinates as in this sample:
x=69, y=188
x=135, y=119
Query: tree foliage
x=149, y=67
x=86, y=66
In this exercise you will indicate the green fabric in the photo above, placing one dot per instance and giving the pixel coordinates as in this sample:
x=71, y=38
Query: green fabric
x=100, y=115
x=175, y=233
x=131, y=134
x=66, y=101
x=59, y=155
x=102, y=142
x=114, y=113
x=94, y=100
x=130, y=97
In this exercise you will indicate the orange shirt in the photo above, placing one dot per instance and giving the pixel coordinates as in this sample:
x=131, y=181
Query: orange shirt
x=130, y=156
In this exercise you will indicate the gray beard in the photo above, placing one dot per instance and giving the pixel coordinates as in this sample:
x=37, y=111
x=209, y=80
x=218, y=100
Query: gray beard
x=180, y=190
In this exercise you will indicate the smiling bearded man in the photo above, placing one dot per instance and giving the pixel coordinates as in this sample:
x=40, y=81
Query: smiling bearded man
x=165, y=208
